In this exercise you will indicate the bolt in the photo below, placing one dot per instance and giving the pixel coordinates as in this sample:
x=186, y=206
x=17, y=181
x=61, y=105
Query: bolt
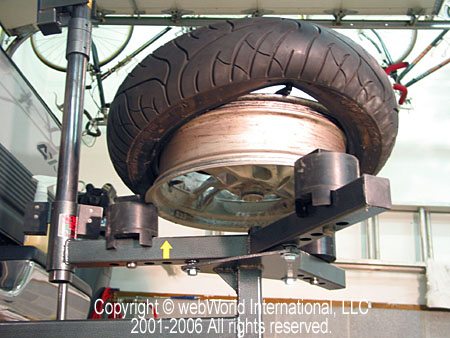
x=290, y=256
x=89, y=220
x=36, y=206
x=314, y=281
x=192, y=271
x=289, y=280
x=291, y=270
x=35, y=216
x=131, y=265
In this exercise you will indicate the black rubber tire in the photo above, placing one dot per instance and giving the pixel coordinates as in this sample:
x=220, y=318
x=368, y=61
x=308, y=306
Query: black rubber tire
x=214, y=65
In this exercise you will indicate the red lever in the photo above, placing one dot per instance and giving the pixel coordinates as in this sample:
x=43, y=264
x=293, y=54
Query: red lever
x=403, y=90
x=395, y=67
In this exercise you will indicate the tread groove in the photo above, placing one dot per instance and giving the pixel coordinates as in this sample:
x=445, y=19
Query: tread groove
x=308, y=51
x=277, y=47
x=236, y=50
x=134, y=124
x=288, y=62
x=141, y=109
x=197, y=88
x=258, y=44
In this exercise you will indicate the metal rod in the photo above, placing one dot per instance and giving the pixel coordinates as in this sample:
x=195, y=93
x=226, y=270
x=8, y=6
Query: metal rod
x=384, y=47
x=369, y=239
x=61, y=310
x=372, y=238
x=429, y=235
x=98, y=76
x=69, y=157
x=379, y=266
x=426, y=239
x=64, y=209
x=376, y=235
x=435, y=209
x=428, y=72
x=150, y=42
x=135, y=53
x=203, y=21
x=422, y=230
x=433, y=44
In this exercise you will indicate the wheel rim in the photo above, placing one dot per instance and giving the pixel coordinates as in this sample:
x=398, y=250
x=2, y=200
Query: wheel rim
x=232, y=168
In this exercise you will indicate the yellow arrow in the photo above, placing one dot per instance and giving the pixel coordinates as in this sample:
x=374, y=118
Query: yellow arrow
x=166, y=247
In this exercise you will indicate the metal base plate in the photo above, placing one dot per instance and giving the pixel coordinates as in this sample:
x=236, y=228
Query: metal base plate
x=273, y=266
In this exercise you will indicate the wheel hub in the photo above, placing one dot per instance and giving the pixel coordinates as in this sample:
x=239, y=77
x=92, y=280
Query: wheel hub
x=232, y=168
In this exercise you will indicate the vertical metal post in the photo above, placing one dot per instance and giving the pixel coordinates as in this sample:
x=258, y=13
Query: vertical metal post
x=426, y=239
x=369, y=238
x=249, y=302
x=61, y=309
x=373, y=238
x=64, y=208
x=429, y=234
x=376, y=235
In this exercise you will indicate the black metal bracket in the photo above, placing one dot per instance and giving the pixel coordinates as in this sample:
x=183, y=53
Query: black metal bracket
x=363, y=198
x=93, y=253
x=52, y=16
x=177, y=14
x=129, y=217
x=37, y=217
x=283, y=265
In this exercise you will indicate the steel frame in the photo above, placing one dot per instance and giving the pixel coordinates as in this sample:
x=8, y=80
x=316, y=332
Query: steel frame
x=237, y=259
x=240, y=260
x=347, y=23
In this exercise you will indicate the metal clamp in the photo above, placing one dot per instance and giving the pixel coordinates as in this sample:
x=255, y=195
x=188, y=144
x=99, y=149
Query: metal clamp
x=79, y=39
x=131, y=218
x=329, y=197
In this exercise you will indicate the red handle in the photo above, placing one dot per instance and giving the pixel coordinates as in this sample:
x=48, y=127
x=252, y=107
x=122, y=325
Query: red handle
x=395, y=67
x=403, y=90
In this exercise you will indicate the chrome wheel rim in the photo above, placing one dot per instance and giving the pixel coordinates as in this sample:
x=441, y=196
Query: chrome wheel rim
x=232, y=168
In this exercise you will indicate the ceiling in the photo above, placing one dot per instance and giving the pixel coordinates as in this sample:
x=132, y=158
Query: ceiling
x=280, y=7
x=18, y=17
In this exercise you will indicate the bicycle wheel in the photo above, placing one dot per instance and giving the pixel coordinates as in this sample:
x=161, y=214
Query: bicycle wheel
x=384, y=46
x=110, y=42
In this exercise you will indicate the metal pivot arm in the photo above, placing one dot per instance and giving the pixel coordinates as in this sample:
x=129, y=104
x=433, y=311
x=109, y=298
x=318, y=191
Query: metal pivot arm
x=64, y=209
x=363, y=198
x=286, y=264
x=329, y=196
x=93, y=253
